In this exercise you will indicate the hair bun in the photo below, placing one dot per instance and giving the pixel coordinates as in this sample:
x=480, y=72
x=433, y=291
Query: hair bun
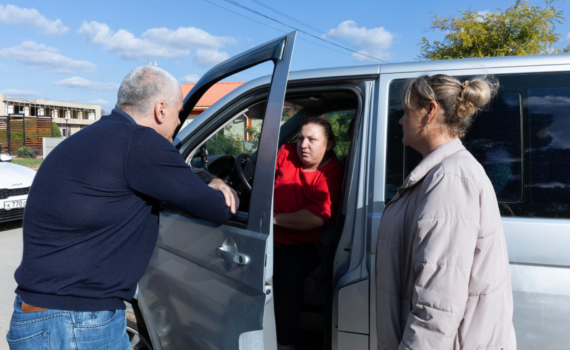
x=475, y=94
x=458, y=101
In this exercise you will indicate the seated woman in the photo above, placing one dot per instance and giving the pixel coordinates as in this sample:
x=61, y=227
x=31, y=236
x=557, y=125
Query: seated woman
x=308, y=181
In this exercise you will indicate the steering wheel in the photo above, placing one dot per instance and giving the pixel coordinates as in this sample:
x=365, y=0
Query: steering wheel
x=245, y=167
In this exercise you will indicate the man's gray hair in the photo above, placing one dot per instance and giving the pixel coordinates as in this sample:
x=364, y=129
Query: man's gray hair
x=143, y=87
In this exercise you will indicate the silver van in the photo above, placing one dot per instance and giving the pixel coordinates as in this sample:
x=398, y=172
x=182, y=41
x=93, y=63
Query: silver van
x=209, y=286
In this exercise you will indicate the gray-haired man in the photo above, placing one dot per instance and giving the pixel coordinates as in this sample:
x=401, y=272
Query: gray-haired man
x=91, y=219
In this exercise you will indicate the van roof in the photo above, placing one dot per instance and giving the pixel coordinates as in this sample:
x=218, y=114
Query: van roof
x=470, y=63
x=434, y=66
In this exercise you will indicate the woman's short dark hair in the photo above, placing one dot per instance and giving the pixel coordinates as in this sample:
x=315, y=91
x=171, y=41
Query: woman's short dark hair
x=327, y=128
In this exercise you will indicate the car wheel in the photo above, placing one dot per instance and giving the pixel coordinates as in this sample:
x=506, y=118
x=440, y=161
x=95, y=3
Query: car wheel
x=138, y=341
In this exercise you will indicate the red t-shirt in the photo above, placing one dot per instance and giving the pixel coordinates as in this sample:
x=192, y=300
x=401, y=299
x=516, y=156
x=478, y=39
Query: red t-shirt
x=317, y=191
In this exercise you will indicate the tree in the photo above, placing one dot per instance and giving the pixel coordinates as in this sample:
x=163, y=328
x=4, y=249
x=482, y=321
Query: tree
x=340, y=123
x=519, y=30
x=55, y=130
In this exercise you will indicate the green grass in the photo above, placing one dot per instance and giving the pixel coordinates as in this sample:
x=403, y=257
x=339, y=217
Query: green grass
x=28, y=162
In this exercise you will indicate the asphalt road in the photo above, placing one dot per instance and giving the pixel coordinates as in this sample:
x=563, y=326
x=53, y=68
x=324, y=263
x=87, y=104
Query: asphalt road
x=10, y=257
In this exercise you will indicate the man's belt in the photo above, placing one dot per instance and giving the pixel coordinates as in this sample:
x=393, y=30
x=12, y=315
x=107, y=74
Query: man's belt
x=29, y=308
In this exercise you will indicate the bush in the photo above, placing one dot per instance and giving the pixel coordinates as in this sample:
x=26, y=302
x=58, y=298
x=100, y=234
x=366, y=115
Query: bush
x=27, y=152
x=24, y=152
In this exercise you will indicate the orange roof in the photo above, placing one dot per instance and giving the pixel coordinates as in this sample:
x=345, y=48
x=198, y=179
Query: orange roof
x=215, y=93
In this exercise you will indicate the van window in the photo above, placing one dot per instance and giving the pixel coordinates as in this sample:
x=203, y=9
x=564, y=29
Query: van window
x=494, y=139
x=533, y=110
x=549, y=114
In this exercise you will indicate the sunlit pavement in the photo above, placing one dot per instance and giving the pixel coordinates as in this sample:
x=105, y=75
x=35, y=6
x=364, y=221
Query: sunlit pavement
x=10, y=257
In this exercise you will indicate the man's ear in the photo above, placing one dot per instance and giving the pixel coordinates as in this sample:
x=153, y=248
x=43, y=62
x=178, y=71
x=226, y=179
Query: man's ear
x=329, y=145
x=159, y=112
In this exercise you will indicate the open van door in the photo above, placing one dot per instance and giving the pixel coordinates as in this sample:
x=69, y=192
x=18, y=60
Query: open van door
x=209, y=286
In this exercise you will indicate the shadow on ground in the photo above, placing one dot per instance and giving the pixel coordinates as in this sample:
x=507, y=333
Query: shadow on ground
x=10, y=225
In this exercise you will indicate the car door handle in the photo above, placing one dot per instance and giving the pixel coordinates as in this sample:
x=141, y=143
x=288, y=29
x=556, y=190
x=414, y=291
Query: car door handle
x=232, y=257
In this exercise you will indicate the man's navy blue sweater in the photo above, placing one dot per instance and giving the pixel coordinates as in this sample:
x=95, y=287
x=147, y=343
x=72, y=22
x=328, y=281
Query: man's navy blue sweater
x=91, y=220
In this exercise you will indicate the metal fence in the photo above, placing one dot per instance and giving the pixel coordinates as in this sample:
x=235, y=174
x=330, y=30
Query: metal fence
x=17, y=131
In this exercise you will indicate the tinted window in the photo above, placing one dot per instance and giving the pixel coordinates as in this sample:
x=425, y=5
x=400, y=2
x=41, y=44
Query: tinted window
x=494, y=139
x=545, y=167
x=496, y=142
x=549, y=114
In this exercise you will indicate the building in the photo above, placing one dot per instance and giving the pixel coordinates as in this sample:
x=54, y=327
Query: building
x=70, y=117
x=211, y=96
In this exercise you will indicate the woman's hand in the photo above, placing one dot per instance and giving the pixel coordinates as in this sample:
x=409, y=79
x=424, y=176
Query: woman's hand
x=299, y=220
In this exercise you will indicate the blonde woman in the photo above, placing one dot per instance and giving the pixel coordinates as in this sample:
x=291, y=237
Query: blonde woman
x=442, y=271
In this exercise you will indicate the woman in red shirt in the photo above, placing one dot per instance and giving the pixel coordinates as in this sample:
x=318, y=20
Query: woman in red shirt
x=308, y=182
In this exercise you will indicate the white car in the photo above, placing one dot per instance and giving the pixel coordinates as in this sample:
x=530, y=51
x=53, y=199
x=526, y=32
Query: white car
x=15, y=182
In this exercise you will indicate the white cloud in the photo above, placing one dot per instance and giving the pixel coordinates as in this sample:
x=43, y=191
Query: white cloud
x=548, y=101
x=41, y=56
x=483, y=14
x=98, y=102
x=550, y=185
x=84, y=84
x=190, y=78
x=375, y=41
x=15, y=15
x=21, y=93
x=185, y=38
x=107, y=106
x=155, y=42
x=209, y=57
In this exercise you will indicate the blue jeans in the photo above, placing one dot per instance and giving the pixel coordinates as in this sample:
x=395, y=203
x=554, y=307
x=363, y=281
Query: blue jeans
x=63, y=330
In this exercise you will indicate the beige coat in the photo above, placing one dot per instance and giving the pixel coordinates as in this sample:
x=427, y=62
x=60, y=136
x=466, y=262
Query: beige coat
x=442, y=271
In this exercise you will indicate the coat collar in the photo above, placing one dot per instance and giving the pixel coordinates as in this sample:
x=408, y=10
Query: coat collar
x=437, y=156
x=124, y=114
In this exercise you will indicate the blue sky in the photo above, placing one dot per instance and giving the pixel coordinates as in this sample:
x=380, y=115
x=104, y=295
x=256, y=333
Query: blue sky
x=79, y=51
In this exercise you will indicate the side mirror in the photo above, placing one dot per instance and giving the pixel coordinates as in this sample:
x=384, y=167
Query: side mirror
x=5, y=158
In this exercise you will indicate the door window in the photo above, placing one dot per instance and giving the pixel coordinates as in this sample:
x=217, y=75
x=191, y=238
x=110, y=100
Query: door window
x=240, y=135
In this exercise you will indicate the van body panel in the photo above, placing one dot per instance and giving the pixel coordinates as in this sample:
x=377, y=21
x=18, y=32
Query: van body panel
x=352, y=341
x=538, y=241
x=353, y=307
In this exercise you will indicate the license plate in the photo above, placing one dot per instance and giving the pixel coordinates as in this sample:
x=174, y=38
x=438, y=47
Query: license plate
x=14, y=204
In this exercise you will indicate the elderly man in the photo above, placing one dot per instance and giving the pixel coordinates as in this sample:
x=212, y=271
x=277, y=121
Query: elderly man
x=91, y=221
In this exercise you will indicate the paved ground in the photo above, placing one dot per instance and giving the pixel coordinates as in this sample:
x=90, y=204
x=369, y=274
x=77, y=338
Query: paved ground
x=10, y=256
